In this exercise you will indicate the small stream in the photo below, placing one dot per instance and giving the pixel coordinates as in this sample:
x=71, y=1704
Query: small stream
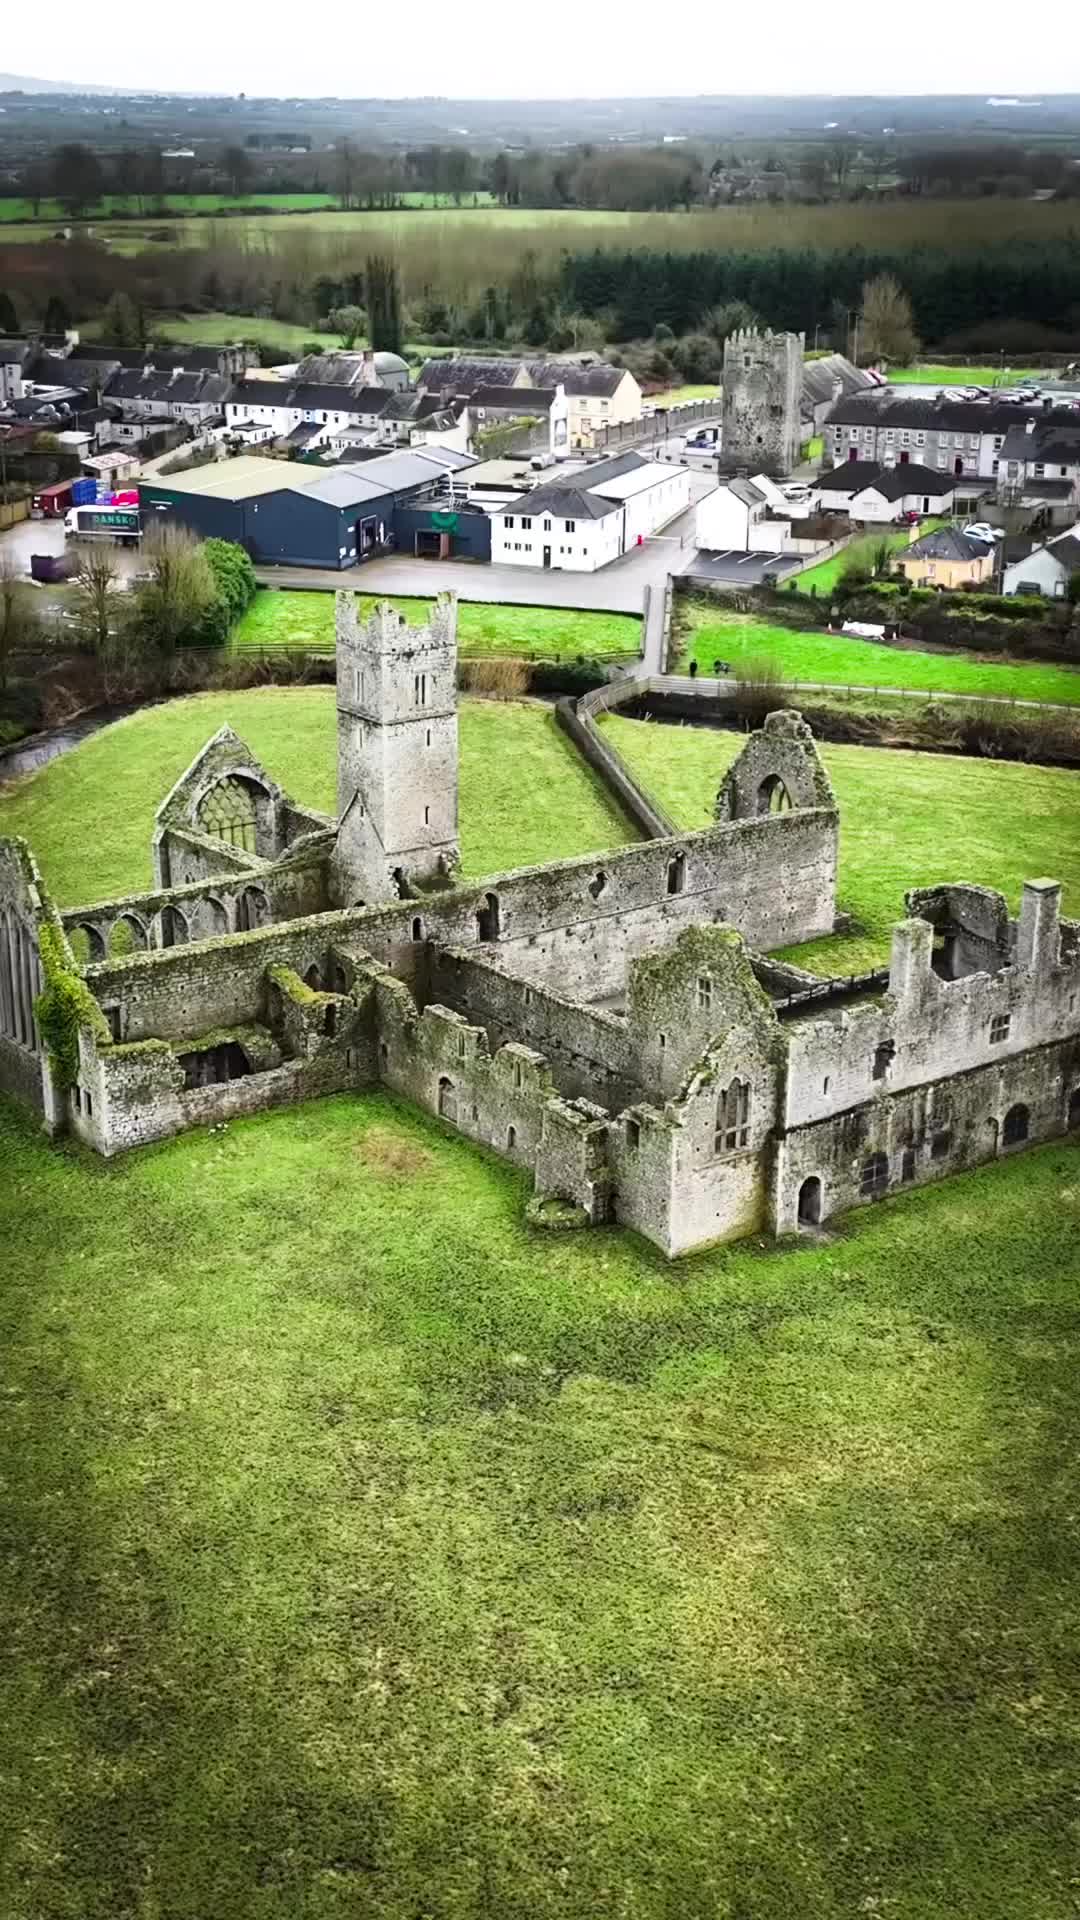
x=28, y=755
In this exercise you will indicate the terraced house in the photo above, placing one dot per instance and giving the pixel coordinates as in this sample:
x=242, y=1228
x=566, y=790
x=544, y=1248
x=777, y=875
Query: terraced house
x=618, y=1026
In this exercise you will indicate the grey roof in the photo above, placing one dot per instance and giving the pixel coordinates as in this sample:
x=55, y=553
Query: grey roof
x=746, y=491
x=613, y=469
x=893, y=407
x=390, y=363
x=188, y=389
x=441, y=420
x=53, y=370
x=565, y=500
x=162, y=359
x=892, y=482
x=513, y=399
x=601, y=379
x=464, y=376
x=410, y=406
x=287, y=394
x=402, y=472
x=947, y=543
x=1055, y=444
x=1066, y=548
x=820, y=377
x=344, y=487
x=300, y=435
x=340, y=369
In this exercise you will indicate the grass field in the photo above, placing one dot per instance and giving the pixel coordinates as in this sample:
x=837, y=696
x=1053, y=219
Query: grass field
x=939, y=376
x=367, y=1554
x=13, y=207
x=842, y=659
x=906, y=820
x=524, y=792
x=676, y=396
x=281, y=618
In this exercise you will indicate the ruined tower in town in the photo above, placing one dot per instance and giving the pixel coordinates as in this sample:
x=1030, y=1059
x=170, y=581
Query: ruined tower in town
x=397, y=766
x=762, y=401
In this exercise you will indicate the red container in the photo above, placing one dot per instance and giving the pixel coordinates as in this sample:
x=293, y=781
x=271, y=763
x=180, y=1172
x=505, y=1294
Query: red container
x=54, y=501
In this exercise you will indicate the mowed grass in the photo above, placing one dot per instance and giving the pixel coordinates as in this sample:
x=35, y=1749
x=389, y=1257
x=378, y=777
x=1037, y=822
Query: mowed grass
x=906, y=820
x=677, y=396
x=525, y=795
x=823, y=578
x=939, y=376
x=841, y=659
x=368, y=1554
x=284, y=618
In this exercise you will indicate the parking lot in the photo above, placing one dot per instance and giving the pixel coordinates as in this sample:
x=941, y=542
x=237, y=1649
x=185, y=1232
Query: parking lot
x=735, y=569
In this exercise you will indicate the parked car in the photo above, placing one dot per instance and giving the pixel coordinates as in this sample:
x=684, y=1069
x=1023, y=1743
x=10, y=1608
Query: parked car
x=982, y=530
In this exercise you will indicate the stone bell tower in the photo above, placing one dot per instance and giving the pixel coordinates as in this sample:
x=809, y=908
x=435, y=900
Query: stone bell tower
x=762, y=401
x=397, y=769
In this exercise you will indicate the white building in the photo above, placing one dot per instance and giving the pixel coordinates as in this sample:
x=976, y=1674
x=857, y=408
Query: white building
x=743, y=516
x=1046, y=569
x=583, y=523
x=882, y=493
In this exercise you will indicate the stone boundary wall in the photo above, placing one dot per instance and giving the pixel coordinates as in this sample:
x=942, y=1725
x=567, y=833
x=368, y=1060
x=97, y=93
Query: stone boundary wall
x=575, y=717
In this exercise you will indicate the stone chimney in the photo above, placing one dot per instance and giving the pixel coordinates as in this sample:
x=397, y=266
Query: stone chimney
x=1038, y=932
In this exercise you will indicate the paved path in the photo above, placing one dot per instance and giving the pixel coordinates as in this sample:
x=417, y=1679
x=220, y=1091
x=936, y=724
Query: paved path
x=704, y=688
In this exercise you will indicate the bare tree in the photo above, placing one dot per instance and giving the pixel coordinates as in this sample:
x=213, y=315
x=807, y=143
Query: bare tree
x=100, y=612
x=888, y=324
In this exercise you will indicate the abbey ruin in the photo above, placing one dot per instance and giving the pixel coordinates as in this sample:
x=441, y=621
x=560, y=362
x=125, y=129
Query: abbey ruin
x=614, y=1025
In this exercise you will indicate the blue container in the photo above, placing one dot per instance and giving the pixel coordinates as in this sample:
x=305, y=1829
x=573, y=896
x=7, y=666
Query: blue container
x=83, y=492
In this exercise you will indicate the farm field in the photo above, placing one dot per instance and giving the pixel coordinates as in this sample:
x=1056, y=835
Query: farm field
x=280, y=618
x=14, y=207
x=906, y=820
x=380, y=1555
x=844, y=660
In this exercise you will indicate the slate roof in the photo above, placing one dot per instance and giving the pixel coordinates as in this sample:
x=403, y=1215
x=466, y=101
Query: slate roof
x=1066, y=548
x=613, y=469
x=344, y=369
x=598, y=380
x=888, y=407
x=162, y=359
x=464, y=376
x=1055, y=445
x=892, y=482
x=563, y=499
x=946, y=543
x=185, y=389
x=513, y=399
x=746, y=491
x=53, y=370
x=411, y=406
x=820, y=376
x=288, y=395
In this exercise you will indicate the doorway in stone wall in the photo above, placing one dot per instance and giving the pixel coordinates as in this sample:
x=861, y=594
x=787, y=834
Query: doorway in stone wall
x=810, y=1202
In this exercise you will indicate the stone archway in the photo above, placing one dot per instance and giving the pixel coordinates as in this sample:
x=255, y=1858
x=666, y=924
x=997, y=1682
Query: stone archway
x=810, y=1196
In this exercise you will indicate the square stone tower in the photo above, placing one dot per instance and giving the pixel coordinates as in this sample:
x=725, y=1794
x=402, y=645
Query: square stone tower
x=763, y=374
x=397, y=768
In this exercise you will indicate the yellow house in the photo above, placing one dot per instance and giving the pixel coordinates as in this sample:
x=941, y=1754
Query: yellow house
x=597, y=396
x=947, y=558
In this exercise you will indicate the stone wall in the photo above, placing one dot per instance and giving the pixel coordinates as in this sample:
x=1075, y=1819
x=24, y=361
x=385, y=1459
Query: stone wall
x=204, y=909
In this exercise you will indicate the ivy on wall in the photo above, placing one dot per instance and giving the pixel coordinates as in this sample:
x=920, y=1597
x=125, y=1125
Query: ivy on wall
x=64, y=1007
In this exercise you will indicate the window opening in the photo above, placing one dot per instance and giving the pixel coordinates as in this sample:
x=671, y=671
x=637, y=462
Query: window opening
x=999, y=1028
x=228, y=813
x=884, y=1055
x=1016, y=1125
x=732, y=1118
x=875, y=1176
x=676, y=873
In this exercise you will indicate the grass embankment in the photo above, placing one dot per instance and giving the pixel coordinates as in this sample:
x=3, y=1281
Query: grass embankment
x=372, y=1554
x=842, y=659
x=906, y=820
x=676, y=396
x=939, y=376
x=281, y=618
x=525, y=795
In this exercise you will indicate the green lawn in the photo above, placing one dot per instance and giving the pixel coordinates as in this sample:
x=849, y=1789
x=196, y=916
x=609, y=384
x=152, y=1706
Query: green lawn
x=525, y=794
x=284, y=618
x=938, y=376
x=906, y=820
x=368, y=1555
x=843, y=659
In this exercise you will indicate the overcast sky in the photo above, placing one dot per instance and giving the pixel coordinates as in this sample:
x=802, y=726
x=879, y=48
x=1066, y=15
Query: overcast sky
x=560, y=50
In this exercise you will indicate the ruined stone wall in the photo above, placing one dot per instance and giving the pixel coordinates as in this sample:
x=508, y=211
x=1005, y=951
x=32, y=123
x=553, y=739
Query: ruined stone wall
x=588, y=1050
x=926, y=1132
x=205, y=908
